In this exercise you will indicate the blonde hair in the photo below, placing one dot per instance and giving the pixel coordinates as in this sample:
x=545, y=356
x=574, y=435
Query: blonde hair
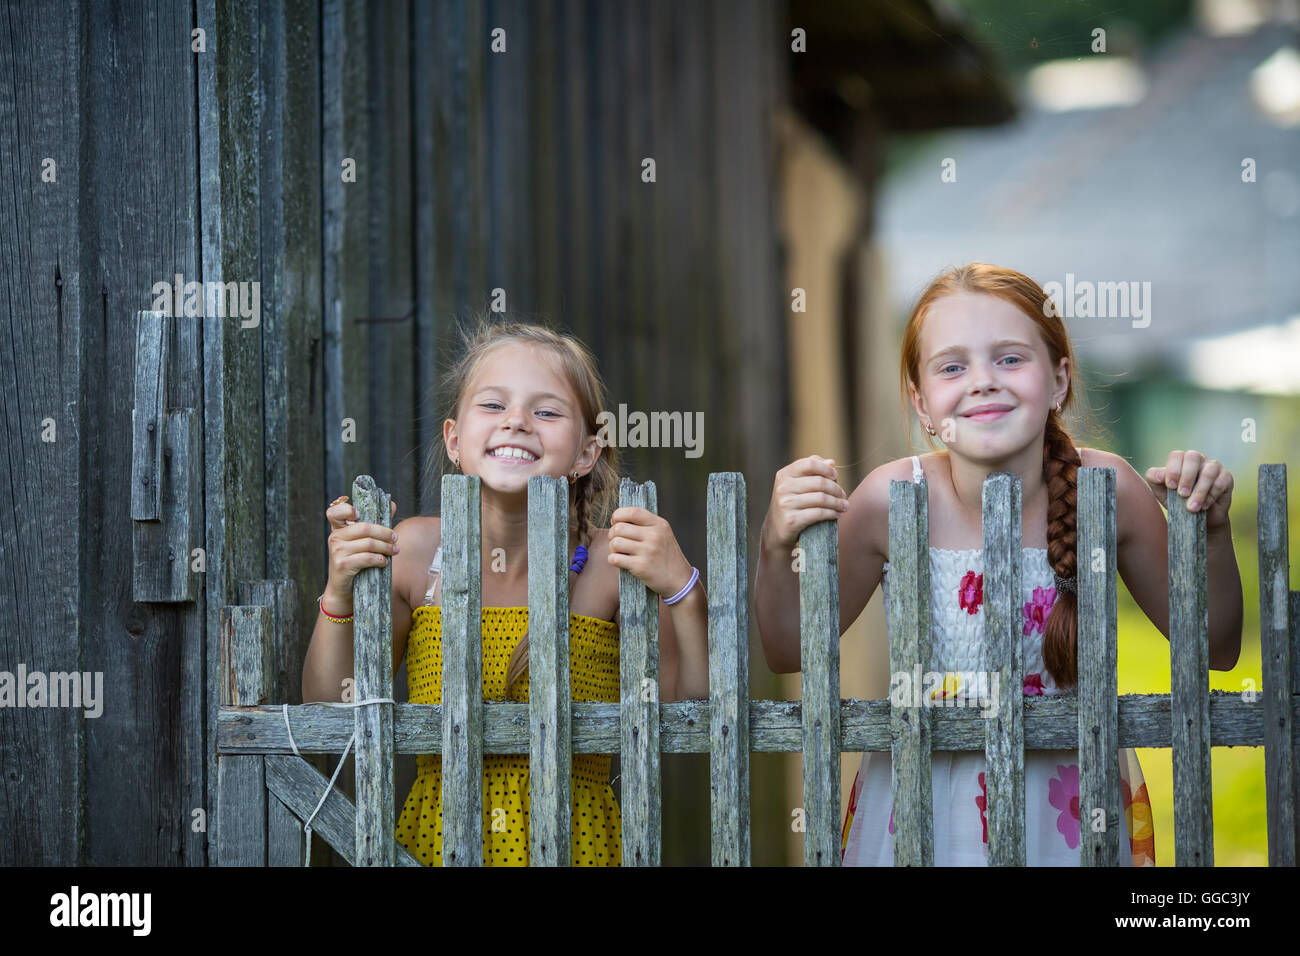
x=591, y=497
x=1061, y=459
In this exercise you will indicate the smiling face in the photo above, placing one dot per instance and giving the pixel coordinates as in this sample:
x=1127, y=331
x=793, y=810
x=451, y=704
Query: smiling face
x=980, y=350
x=519, y=417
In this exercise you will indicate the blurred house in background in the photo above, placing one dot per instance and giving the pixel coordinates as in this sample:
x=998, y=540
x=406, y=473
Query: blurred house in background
x=1167, y=162
x=1175, y=169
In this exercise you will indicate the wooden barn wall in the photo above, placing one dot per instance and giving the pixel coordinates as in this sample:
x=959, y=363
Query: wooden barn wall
x=475, y=171
x=48, y=549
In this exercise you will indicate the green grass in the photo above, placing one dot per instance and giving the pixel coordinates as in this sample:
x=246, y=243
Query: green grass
x=1240, y=832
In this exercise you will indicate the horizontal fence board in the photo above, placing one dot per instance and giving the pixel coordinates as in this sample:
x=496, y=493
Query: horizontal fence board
x=775, y=726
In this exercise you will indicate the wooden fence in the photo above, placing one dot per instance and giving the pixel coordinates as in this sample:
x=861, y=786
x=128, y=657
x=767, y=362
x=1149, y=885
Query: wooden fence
x=266, y=792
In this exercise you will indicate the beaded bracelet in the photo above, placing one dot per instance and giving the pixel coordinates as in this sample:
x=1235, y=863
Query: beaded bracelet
x=336, y=620
x=695, y=576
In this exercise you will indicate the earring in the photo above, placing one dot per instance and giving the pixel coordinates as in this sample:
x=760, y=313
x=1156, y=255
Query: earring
x=1058, y=408
x=574, y=480
x=458, y=464
x=930, y=428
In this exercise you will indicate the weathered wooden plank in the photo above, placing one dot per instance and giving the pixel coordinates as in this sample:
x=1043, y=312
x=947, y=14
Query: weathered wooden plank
x=458, y=165
x=386, y=324
x=426, y=151
x=508, y=122
x=229, y=137
x=728, y=671
x=299, y=786
x=550, y=225
x=462, y=673
x=819, y=657
x=639, y=702
x=1295, y=727
x=739, y=301
x=285, y=835
x=133, y=223
x=643, y=324
x=1279, y=634
x=280, y=598
x=775, y=726
x=245, y=662
x=576, y=193
x=1189, y=647
x=152, y=334
x=161, y=549
x=1096, y=566
x=1003, y=628
x=52, y=387
x=347, y=178
x=550, y=759
x=289, y=334
x=372, y=635
x=909, y=653
x=241, y=781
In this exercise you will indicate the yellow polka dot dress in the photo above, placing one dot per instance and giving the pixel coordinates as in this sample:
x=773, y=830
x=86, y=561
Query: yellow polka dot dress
x=596, y=829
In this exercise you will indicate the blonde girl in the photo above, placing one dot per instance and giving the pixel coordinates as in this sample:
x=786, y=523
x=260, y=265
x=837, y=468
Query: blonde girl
x=521, y=400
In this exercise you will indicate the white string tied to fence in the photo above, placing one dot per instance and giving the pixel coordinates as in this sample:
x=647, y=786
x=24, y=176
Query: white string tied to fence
x=342, y=760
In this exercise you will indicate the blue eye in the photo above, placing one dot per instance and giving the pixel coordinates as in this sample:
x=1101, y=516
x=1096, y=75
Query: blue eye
x=945, y=368
x=547, y=411
x=1016, y=357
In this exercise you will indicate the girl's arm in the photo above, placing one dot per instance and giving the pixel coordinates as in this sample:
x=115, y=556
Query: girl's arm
x=803, y=493
x=684, y=645
x=329, y=658
x=1143, y=558
x=644, y=544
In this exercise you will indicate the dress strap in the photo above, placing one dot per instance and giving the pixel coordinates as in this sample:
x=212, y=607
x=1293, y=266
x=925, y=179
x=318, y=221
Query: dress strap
x=917, y=473
x=435, y=570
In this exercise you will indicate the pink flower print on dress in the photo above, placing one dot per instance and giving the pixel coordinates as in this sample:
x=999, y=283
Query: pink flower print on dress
x=970, y=593
x=982, y=802
x=1038, y=610
x=1063, y=794
x=1033, y=683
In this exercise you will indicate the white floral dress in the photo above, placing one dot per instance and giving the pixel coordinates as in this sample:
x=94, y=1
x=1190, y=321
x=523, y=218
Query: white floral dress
x=1052, y=836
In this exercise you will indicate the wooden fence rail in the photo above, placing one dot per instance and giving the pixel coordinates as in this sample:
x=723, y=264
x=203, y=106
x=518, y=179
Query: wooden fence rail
x=257, y=755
